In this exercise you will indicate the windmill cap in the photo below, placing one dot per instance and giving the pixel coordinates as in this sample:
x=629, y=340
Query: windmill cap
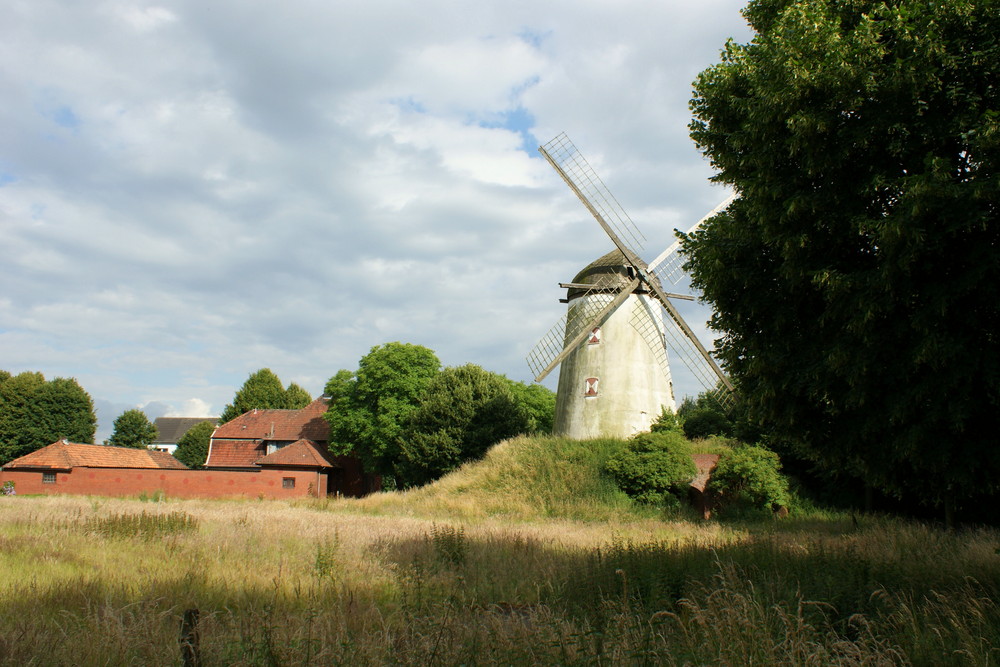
x=610, y=272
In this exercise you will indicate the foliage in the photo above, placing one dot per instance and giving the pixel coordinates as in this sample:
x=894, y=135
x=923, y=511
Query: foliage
x=704, y=416
x=35, y=413
x=749, y=475
x=706, y=422
x=133, y=429
x=8, y=489
x=654, y=467
x=192, y=447
x=372, y=406
x=296, y=397
x=539, y=404
x=855, y=279
x=464, y=411
x=263, y=391
x=668, y=422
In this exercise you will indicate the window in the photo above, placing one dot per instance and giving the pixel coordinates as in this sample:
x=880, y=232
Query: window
x=288, y=482
x=590, y=388
x=595, y=336
x=48, y=478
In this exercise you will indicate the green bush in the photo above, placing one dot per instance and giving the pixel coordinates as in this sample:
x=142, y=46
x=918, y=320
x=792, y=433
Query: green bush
x=750, y=475
x=667, y=422
x=654, y=468
x=705, y=422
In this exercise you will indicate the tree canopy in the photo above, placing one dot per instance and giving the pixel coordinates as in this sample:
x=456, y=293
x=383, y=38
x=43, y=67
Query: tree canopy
x=133, y=429
x=538, y=403
x=192, y=447
x=35, y=413
x=370, y=408
x=464, y=411
x=263, y=391
x=855, y=277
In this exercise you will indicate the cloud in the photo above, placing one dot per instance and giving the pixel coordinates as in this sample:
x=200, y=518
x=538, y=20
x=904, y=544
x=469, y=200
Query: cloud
x=191, y=191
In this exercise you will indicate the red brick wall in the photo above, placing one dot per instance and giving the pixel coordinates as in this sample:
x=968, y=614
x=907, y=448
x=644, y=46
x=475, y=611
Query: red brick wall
x=174, y=483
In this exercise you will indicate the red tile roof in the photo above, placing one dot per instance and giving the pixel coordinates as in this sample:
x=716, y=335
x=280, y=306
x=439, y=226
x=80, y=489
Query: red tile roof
x=225, y=453
x=301, y=453
x=706, y=464
x=286, y=425
x=62, y=455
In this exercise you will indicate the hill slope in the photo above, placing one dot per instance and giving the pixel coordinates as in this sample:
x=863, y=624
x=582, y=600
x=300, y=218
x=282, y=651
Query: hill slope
x=525, y=478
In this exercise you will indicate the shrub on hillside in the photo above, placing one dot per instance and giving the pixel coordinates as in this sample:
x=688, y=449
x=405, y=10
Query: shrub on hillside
x=750, y=475
x=705, y=422
x=654, y=467
x=668, y=422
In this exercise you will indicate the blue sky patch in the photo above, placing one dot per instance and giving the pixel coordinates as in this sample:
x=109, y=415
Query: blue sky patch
x=534, y=37
x=518, y=120
x=409, y=105
x=64, y=117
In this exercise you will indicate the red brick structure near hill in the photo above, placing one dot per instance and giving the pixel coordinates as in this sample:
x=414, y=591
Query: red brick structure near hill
x=261, y=454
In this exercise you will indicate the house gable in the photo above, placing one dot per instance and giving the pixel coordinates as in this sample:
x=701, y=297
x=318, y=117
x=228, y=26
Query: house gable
x=257, y=434
x=302, y=453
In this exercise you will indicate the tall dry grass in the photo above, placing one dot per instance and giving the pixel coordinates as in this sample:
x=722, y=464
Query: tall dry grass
x=283, y=584
x=474, y=570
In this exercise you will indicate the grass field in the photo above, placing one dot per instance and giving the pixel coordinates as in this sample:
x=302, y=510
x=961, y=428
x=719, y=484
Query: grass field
x=528, y=557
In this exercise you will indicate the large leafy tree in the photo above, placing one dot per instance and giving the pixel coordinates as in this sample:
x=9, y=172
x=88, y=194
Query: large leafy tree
x=35, y=412
x=133, y=429
x=192, y=447
x=464, y=411
x=263, y=391
x=855, y=279
x=538, y=403
x=296, y=397
x=370, y=408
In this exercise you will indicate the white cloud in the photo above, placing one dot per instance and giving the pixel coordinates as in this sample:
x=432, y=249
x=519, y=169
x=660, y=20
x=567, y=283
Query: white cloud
x=191, y=191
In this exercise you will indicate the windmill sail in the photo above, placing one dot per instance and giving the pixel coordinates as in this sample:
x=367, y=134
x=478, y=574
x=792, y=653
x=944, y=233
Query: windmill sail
x=659, y=332
x=569, y=162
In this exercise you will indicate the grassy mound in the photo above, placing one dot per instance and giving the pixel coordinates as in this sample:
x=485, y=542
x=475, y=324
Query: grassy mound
x=525, y=478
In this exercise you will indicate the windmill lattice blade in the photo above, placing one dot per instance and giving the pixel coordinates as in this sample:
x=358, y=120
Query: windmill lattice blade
x=671, y=269
x=548, y=348
x=681, y=349
x=578, y=317
x=647, y=319
x=591, y=189
x=669, y=266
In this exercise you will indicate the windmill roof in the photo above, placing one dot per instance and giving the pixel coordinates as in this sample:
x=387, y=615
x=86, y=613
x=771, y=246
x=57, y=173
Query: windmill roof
x=288, y=425
x=62, y=455
x=609, y=272
x=170, y=429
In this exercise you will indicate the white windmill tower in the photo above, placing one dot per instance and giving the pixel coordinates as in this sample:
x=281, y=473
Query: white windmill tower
x=613, y=342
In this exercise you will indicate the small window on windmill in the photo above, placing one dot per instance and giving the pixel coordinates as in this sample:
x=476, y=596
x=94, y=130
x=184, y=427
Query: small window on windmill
x=595, y=336
x=590, y=388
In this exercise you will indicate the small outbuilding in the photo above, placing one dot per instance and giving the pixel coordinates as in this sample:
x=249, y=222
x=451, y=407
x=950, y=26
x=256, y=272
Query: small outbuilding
x=73, y=467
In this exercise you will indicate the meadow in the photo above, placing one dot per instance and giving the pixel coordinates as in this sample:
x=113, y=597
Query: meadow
x=528, y=557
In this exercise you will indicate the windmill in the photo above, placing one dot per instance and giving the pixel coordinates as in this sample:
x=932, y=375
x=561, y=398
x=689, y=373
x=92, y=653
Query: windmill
x=621, y=329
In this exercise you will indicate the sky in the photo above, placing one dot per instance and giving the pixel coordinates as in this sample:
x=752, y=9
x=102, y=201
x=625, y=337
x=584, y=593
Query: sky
x=191, y=191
